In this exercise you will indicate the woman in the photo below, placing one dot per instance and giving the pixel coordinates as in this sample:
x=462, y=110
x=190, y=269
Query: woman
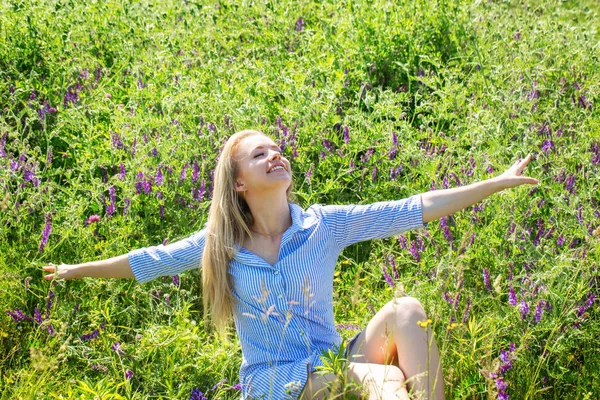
x=269, y=266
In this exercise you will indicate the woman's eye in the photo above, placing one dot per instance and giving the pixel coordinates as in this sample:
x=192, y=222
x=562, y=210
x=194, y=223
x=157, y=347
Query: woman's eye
x=260, y=154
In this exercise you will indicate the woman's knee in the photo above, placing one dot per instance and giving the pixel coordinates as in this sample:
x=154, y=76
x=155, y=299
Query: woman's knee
x=405, y=310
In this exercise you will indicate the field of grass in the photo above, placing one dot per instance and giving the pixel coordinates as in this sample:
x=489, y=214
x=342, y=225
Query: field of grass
x=118, y=109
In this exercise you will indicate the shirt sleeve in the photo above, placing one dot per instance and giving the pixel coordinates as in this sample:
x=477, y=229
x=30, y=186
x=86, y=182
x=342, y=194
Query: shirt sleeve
x=149, y=263
x=351, y=224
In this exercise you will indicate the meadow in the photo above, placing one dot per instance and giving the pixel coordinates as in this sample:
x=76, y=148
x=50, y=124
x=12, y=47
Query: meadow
x=112, y=115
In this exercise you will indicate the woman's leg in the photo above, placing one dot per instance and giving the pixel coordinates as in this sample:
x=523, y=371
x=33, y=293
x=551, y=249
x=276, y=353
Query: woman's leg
x=393, y=336
x=372, y=382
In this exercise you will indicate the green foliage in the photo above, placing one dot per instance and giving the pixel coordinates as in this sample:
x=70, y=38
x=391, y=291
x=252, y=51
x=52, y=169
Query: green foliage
x=466, y=87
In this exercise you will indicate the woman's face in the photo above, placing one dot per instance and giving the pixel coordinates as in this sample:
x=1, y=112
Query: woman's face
x=257, y=155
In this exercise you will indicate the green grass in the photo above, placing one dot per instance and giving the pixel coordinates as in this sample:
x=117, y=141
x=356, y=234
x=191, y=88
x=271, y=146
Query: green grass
x=448, y=74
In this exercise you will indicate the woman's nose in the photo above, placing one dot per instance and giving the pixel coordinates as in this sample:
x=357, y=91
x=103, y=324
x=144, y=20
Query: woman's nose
x=276, y=155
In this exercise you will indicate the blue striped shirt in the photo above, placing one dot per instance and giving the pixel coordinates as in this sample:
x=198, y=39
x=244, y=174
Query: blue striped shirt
x=283, y=313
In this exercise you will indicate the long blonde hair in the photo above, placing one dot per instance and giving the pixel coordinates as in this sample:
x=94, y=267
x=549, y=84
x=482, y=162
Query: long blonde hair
x=229, y=221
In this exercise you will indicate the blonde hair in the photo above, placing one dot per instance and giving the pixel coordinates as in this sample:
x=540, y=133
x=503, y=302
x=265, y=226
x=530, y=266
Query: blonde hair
x=229, y=221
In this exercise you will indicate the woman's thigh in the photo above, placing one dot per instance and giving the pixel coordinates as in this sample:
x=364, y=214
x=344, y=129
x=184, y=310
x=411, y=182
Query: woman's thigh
x=375, y=344
x=363, y=380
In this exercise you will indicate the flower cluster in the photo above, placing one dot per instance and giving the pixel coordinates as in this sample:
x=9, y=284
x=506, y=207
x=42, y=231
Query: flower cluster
x=506, y=359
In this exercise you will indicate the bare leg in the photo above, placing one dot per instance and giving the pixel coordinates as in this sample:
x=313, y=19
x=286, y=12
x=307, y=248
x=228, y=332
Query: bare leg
x=394, y=337
x=372, y=382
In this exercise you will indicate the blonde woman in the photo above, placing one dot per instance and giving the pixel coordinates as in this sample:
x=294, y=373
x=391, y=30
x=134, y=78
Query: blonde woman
x=268, y=265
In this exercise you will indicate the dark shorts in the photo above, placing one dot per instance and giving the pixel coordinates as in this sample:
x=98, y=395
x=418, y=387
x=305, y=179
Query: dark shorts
x=349, y=345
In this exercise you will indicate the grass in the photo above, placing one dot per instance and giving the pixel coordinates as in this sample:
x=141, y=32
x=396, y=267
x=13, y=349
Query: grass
x=466, y=87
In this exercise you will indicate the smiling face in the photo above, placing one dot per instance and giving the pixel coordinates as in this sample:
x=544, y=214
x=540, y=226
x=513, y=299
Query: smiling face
x=257, y=155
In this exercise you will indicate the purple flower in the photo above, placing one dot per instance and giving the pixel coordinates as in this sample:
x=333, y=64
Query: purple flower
x=414, y=251
x=523, y=309
x=346, y=135
x=486, y=279
x=37, y=315
x=547, y=145
x=110, y=210
x=122, y=172
x=176, y=280
x=117, y=347
x=539, y=310
x=560, y=241
x=126, y=207
x=91, y=219
x=195, y=171
x=116, y=141
x=159, y=177
x=99, y=367
x=387, y=277
x=512, y=298
x=501, y=384
x=393, y=263
x=570, y=184
x=90, y=336
x=237, y=386
x=309, y=173
x=374, y=175
x=128, y=374
x=467, y=311
x=300, y=24
x=2, y=144
x=197, y=395
x=46, y=232
x=403, y=242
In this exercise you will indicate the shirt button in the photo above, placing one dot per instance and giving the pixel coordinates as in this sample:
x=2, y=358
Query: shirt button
x=276, y=271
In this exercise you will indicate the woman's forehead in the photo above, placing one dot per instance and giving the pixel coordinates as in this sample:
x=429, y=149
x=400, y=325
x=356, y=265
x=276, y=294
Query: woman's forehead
x=250, y=143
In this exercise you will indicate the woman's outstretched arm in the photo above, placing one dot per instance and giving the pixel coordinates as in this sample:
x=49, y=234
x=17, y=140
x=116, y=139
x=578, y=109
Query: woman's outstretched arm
x=440, y=203
x=115, y=267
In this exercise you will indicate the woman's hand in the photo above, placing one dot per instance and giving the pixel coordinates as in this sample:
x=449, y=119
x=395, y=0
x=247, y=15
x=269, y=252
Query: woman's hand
x=62, y=271
x=512, y=176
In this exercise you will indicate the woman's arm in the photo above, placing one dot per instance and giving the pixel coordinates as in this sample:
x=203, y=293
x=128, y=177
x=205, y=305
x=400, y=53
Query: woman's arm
x=439, y=203
x=115, y=267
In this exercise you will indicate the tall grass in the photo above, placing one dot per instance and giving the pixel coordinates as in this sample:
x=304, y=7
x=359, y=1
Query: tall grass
x=373, y=101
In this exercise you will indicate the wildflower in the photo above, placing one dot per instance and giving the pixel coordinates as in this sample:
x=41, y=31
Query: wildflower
x=37, y=316
x=176, y=280
x=387, y=277
x=547, y=145
x=197, y=395
x=588, y=304
x=448, y=299
x=467, y=311
x=512, y=298
x=195, y=171
x=122, y=172
x=393, y=263
x=117, y=347
x=110, y=210
x=346, y=135
x=374, y=174
x=560, y=241
x=133, y=146
x=309, y=173
x=126, y=207
x=402, y=241
x=46, y=232
x=99, y=367
x=414, y=251
x=537, y=316
x=300, y=24
x=570, y=184
x=237, y=386
x=524, y=309
x=90, y=336
x=486, y=279
x=2, y=144
x=159, y=177
x=128, y=374
x=116, y=141
x=140, y=83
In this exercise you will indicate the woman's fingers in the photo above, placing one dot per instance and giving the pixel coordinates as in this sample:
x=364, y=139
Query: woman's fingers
x=49, y=268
